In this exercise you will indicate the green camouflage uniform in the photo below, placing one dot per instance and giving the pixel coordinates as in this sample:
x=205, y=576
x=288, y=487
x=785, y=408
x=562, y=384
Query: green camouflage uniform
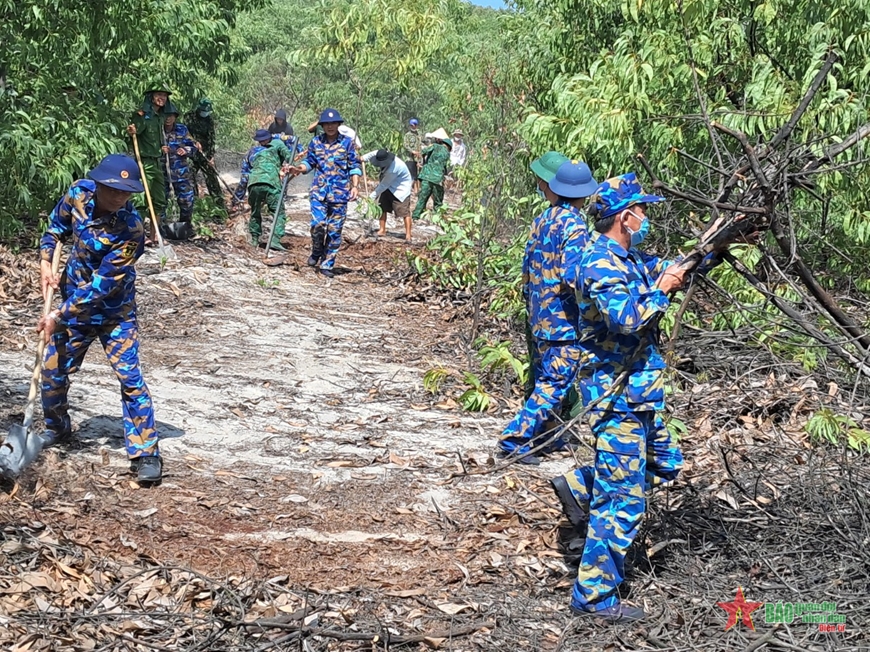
x=202, y=130
x=432, y=177
x=149, y=134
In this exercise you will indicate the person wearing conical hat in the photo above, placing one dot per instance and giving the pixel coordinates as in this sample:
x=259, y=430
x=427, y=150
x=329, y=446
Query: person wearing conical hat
x=436, y=157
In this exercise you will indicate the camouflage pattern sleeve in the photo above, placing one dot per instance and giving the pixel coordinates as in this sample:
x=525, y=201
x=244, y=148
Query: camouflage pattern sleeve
x=576, y=239
x=284, y=154
x=186, y=140
x=59, y=225
x=310, y=161
x=354, y=165
x=623, y=311
x=243, y=177
x=107, y=281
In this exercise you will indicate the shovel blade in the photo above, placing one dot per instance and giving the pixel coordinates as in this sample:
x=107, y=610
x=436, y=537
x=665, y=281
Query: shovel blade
x=18, y=451
x=274, y=261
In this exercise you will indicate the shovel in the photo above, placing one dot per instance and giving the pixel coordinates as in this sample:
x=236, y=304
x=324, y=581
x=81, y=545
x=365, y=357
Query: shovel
x=20, y=449
x=279, y=259
x=163, y=250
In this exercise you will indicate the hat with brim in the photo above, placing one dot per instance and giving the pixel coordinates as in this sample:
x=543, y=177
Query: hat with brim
x=330, y=115
x=119, y=172
x=262, y=135
x=546, y=166
x=383, y=159
x=619, y=193
x=438, y=134
x=158, y=88
x=573, y=180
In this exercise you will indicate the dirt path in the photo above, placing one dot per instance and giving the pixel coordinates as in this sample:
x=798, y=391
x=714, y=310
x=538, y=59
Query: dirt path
x=306, y=474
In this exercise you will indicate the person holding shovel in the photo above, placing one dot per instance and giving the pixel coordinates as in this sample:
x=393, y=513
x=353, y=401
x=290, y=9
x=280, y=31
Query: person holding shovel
x=336, y=182
x=393, y=191
x=412, y=144
x=261, y=177
x=147, y=126
x=551, y=277
x=201, y=125
x=436, y=157
x=181, y=148
x=98, y=289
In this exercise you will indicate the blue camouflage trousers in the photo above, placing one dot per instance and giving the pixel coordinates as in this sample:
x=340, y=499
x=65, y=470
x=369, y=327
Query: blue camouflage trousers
x=182, y=186
x=329, y=216
x=633, y=453
x=64, y=355
x=554, y=366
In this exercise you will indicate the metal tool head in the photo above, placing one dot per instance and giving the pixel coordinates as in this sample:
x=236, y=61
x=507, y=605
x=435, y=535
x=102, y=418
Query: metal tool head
x=178, y=230
x=18, y=451
x=275, y=261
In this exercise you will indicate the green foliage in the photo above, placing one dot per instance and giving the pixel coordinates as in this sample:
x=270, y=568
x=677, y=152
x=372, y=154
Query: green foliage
x=828, y=426
x=475, y=398
x=498, y=357
x=676, y=428
x=71, y=74
x=434, y=379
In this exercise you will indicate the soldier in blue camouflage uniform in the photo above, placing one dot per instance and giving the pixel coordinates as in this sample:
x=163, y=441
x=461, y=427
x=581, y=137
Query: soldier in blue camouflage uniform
x=337, y=170
x=551, y=267
x=181, y=148
x=623, y=294
x=99, y=302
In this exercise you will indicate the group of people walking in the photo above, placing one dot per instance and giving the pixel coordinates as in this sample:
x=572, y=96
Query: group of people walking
x=171, y=154
x=594, y=301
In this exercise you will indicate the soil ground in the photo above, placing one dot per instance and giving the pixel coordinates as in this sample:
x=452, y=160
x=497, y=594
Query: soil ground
x=308, y=481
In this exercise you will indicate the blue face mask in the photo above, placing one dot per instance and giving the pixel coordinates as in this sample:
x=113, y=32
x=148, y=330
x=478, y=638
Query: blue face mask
x=541, y=193
x=638, y=236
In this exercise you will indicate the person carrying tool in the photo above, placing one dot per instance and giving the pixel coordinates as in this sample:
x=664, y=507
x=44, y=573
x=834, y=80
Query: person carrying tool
x=98, y=289
x=623, y=294
x=261, y=177
x=394, y=189
x=551, y=276
x=201, y=125
x=412, y=143
x=181, y=147
x=147, y=124
x=436, y=157
x=336, y=182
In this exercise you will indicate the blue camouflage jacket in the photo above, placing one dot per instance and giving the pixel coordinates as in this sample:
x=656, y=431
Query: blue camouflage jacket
x=290, y=142
x=99, y=282
x=177, y=139
x=551, y=272
x=334, y=164
x=619, y=311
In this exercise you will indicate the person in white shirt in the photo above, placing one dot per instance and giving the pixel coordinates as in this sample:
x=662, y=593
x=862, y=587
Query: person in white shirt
x=459, y=151
x=394, y=190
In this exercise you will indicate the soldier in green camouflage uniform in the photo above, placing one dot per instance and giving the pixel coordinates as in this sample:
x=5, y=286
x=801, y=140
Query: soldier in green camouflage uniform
x=261, y=177
x=201, y=126
x=437, y=156
x=147, y=124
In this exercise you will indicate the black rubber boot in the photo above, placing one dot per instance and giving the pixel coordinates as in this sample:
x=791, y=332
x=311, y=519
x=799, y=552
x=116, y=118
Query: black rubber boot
x=575, y=515
x=318, y=245
x=148, y=469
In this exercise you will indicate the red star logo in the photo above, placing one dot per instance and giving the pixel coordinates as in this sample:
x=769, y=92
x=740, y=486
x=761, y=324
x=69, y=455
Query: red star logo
x=740, y=608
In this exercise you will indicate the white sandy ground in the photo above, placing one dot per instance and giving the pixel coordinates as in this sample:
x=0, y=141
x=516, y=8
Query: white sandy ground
x=285, y=370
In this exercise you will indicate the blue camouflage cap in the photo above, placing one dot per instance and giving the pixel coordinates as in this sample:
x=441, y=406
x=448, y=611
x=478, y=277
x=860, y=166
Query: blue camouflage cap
x=118, y=171
x=618, y=193
x=330, y=115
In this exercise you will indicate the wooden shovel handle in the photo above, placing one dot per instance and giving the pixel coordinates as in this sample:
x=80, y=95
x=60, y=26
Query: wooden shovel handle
x=147, y=192
x=40, y=345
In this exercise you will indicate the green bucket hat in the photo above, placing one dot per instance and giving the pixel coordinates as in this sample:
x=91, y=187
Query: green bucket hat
x=546, y=166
